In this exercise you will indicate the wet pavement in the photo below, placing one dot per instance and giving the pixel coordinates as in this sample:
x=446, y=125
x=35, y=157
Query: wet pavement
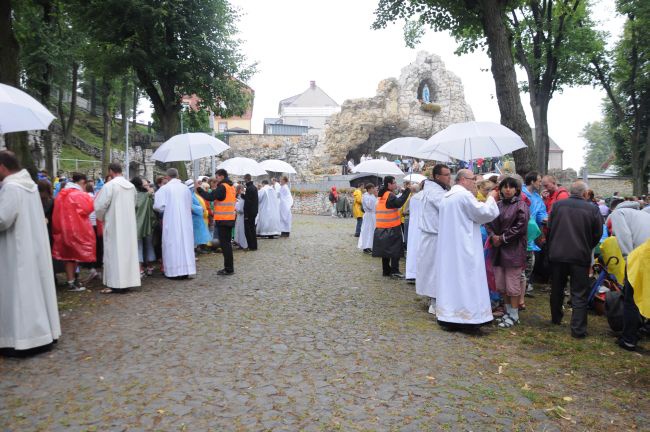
x=307, y=335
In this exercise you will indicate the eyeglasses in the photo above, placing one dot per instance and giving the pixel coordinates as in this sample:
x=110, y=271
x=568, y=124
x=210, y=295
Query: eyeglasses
x=470, y=178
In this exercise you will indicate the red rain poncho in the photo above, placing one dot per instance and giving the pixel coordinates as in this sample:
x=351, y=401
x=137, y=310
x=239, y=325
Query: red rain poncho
x=73, y=235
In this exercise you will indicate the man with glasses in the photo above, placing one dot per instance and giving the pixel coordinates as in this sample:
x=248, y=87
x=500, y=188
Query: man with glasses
x=462, y=296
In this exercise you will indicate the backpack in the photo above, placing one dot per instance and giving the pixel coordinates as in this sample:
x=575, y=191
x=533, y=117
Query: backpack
x=614, y=310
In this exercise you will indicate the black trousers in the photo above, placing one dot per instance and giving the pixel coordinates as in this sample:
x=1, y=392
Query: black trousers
x=390, y=265
x=357, y=230
x=579, y=280
x=631, y=316
x=249, y=232
x=225, y=241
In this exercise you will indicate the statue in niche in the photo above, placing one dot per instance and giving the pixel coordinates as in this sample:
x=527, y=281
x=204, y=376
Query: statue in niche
x=426, y=94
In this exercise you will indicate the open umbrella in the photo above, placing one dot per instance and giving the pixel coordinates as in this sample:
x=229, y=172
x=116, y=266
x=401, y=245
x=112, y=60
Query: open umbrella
x=473, y=140
x=410, y=146
x=276, y=165
x=189, y=147
x=242, y=166
x=21, y=112
x=379, y=167
x=415, y=178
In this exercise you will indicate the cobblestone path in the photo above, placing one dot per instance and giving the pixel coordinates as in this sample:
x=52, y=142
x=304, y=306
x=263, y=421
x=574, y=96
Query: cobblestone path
x=307, y=335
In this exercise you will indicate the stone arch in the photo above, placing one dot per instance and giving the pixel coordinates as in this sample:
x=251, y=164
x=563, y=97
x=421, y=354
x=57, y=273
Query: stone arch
x=433, y=90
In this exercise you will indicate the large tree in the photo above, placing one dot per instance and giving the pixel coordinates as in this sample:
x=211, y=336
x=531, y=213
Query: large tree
x=599, y=151
x=176, y=49
x=472, y=23
x=625, y=75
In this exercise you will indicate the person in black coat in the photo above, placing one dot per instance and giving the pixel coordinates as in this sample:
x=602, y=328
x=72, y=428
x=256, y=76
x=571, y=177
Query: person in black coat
x=251, y=205
x=388, y=242
x=575, y=228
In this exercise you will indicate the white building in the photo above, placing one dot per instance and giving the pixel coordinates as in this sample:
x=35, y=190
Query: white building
x=310, y=108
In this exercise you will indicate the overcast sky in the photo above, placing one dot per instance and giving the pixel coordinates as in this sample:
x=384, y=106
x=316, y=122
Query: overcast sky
x=330, y=42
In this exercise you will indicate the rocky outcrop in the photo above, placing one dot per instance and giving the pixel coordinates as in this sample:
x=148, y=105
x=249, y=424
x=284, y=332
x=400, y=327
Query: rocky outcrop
x=400, y=108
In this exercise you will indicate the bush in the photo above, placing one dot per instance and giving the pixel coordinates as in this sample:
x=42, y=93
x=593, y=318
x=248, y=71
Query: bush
x=430, y=107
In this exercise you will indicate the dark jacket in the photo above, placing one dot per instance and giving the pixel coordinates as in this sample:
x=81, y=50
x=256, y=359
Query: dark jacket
x=575, y=228
x=251, y=201
x=512, y=223
x=388, y=242
x=218, y=194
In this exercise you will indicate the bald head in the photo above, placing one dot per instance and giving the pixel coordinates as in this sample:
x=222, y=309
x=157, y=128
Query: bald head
x=466, y=179
x=578, y=188
x=464, y=173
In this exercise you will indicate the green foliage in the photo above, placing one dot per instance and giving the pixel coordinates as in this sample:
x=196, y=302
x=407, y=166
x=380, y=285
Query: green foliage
x=430, y=107
x=600, y=146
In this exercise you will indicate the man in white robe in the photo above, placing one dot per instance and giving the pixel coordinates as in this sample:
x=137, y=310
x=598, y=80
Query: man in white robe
x=29, y=315
x=276, y=186
x=414, y=236
x=461, y=290
x=240, y=228
x=174, y=201
x=286, y=202
x=115, y=206
x=268, y=215
x=369, y=205
x=433, y=193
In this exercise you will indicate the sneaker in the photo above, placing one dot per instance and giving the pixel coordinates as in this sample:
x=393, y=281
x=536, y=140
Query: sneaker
x=367, y=251
x=432, y=309
x=411, y=281
x=625, y=345
x=75, y=287
x=397, y=275
x=224, y=272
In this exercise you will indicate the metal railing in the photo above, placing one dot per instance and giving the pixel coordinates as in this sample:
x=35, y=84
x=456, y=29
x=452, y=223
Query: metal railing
x=80, y=164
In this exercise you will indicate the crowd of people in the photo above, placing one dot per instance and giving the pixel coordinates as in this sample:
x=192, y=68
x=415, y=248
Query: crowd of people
x=474, y=246
x=120, y=231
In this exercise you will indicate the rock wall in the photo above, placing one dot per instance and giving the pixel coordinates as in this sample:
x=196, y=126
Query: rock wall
x=607, y=187
x=315, y=203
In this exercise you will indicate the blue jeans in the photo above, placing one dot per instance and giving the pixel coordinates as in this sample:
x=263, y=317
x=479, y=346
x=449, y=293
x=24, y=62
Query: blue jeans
x=357, y=232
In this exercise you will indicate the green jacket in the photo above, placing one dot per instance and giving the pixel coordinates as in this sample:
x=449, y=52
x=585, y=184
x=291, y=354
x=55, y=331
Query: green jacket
x=144, y=213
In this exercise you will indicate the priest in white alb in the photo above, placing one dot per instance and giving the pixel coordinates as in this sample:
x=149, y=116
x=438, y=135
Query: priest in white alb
x=433, y=193
x=268, y=215
x=369, y=205
x=174, y=202
x=286, y=202
x=29, y=315
x=115, y=206
x=414, y=236
x=462, y=296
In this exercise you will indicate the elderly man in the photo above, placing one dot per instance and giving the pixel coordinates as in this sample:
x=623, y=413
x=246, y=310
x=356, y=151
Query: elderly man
x=462, y=295
x=552, y=193
x=174, y=201
x=29, y=315
x=115, y=205
x=433, y=193
x=575, y=227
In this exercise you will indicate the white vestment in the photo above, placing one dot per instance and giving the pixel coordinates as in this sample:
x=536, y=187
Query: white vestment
x=286, y=202
x=29, y=315
x=428, y=224
x=115, y=205
x=462, y=294
x=268, y=215
x=174, y=201
x=240, y=231
x=414, y=235
x=369, y=204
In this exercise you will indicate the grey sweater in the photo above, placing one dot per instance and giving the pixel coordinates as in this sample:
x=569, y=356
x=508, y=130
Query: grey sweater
x=631, y=228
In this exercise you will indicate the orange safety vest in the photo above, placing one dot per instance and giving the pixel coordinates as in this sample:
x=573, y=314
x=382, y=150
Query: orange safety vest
x=386, y=218
x=225, y=210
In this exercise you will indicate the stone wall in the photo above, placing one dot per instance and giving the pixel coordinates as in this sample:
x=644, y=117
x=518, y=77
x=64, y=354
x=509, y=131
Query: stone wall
x=607, y=187
x=314, y=203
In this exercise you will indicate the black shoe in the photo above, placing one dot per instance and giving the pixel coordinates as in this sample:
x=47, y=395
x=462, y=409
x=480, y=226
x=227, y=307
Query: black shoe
x=357, y=235
x=625, y=345
x=397, y=275
x=367, y=251
x=410, y=281
x=386, y=274
x=224, y=272
x=579, y=336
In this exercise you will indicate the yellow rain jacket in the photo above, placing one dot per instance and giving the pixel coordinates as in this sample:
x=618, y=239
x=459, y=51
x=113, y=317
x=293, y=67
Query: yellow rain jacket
x=357, y=211
x=609, y=248
x=638, y=274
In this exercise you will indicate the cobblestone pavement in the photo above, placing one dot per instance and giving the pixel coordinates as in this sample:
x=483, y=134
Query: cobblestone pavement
x=307, y=335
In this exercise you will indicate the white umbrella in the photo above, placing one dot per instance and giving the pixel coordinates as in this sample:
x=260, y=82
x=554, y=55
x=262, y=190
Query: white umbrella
x=21, y=112
x=473, y=140
x=410, y=146
x=242, y=166
x=189, y=147
x=276, y=165
x=415, y=178
x=379, y=167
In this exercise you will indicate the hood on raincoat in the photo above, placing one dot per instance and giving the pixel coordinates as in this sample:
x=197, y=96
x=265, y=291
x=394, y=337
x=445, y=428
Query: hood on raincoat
x=21, y=179
x=73, y=235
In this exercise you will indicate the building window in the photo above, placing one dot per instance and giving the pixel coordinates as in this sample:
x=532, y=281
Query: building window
x=223, y=126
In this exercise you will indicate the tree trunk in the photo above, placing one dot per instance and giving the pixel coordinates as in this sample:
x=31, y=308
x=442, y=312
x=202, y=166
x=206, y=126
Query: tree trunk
x=170, y=124
x=9, y=74
x=505, y=80
x=135, y=102
x=93, y=96
x=73, y=103
x=542, y=141
x=106, y=114
x=123, y=109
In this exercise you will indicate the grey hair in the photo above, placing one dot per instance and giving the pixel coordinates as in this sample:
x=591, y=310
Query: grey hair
x=578, y=188
x=172, y=172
